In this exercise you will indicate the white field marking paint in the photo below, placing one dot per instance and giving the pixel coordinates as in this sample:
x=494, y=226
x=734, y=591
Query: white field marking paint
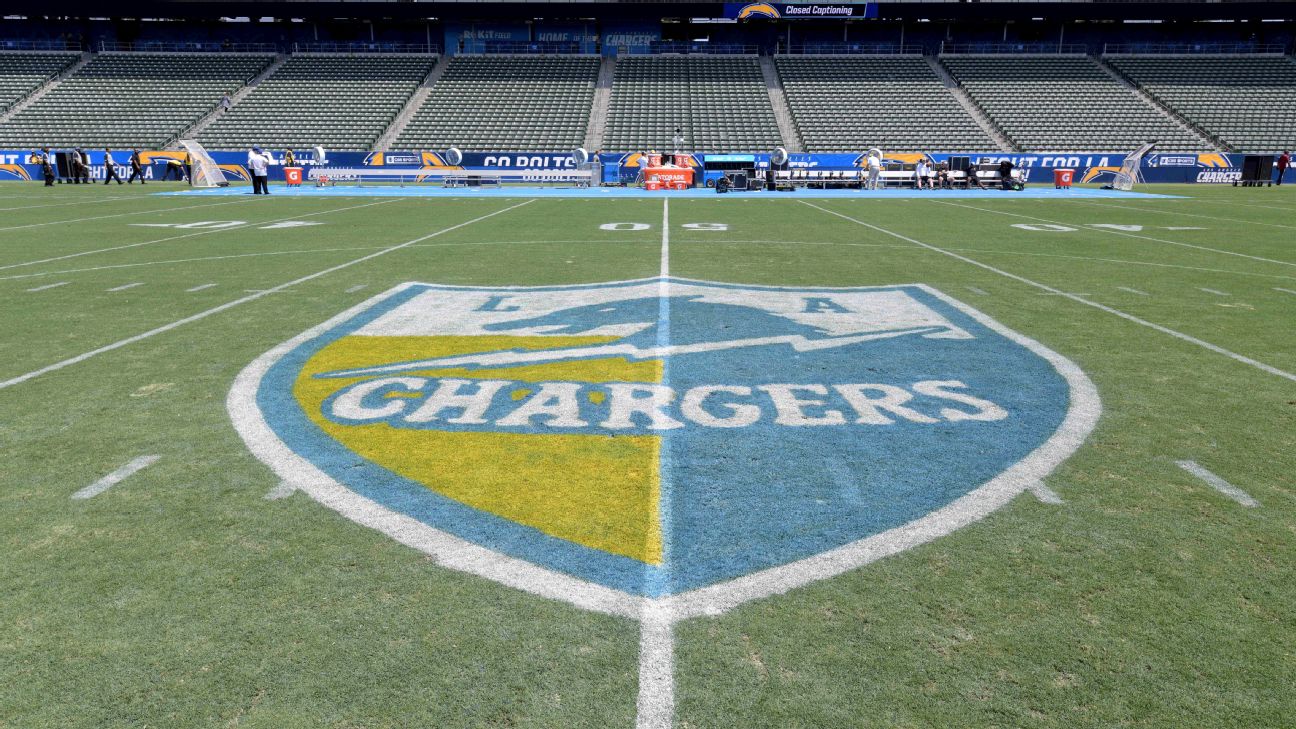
x=200, y=225
x=1045, y=494
x=624, y=226
x=122, y=215
x=655, y=705
x=281, y=490
x=208, y=258
x=1285, y=291
x=1132, y=291
x=1062, y=293
x=1181, y=227
x=290, y=224
x=1127, y=235
x=116, y=477
x=123, y=287
x=186, y=235
x=1101, y=307
x=238, y=302
x=977, y=291
x=1187, y=215
x=356, y=288
x=453, y=552
x=199, y=288
x=706, y=226
x=1045, y=228
x=1214, y=291
x=1219, y=484
x=49, y=286
x=63, y=204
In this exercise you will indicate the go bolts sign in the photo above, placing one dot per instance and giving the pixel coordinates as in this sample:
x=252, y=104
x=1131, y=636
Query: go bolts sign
x=662, y=440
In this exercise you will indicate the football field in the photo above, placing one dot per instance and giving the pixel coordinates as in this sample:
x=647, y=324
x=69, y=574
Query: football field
x=724, y=461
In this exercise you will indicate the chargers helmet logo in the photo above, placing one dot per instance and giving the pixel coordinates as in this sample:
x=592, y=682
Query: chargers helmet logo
x=662, y=439
x=758, y=10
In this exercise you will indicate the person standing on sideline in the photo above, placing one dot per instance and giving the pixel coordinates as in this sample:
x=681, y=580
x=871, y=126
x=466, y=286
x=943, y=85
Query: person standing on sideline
x=258, y=164
x=874, y=169
x=1284, y=160
x=137, y=167
x=47, y=167
x=110, y=168
x=83, y=157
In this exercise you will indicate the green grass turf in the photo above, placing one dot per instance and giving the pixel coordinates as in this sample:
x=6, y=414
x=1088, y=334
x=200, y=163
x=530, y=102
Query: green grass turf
x=181, y=597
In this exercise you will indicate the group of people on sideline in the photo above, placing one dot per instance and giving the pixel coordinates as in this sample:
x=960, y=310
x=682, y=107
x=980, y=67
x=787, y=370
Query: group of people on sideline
x=76, y=167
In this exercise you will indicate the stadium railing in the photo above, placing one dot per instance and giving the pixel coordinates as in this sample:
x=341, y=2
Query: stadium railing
x=1008, y=48
x=842, y=49
x=1179, y=49
x=23, y=44
x=106, y=46
x=717, y=49
x=522, y=47
x=363, y=47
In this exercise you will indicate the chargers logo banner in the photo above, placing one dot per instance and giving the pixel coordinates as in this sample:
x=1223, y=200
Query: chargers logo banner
x=662, y=438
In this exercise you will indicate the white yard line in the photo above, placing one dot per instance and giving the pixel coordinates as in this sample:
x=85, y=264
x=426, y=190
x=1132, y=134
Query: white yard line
x=1119, y=232
x=1186, y=215
x=238, y=302
x=191, y=235
x=1132, y=291
x=1285, y=291
x=126, y=286
x=73, y=202
x=116, y=477
x=198, y=260
x=1078, y=299
x=1217, y=292
x=49, y=286
x=1219, y=484
x=1045, y=494
x=199, y=288
x=656, y=703
x=123, y=215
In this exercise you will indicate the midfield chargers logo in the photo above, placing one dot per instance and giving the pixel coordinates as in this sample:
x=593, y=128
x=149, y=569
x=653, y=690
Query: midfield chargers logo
x=662, y=440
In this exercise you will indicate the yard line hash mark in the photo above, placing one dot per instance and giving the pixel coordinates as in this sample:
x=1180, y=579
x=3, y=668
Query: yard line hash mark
x=199, y=288
x=126, y=286
x=1045, y=494
x=282, y=490
x=1219, y=484
x=1285, y=291
x=977, y=291
x=1078, y=299
x=356, y=288
x=49, y=286
x=1132, y=291
x=238, y=302
x=1214, y=291
x=116, y=477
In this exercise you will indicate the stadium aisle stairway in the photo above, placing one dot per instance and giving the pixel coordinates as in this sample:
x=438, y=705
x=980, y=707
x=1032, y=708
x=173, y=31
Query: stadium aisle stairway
x=1065, y=104
x=897, y=103
x=339, y=102
x=506, y=103
x=719, y=103
x=130, y=100
x=1247, y=102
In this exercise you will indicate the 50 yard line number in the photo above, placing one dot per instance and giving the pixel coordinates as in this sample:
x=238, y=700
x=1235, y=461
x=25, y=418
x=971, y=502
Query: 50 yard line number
x=625, y=227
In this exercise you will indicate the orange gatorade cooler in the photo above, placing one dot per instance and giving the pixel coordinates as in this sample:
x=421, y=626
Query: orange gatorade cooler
x=654, y=160
x=652, y=185
x=1063, y=178
x=293, y=176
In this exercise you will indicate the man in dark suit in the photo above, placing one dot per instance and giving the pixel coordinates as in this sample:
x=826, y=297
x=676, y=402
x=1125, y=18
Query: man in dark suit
x=137, y=167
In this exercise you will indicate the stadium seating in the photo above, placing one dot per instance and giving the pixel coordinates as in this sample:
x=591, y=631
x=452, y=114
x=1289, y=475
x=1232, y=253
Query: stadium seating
x=339, y=102
x=1064, y=104
x=130, y=99
x=1245, y=101
x=506, y=103
x=23, y=73
x=897, y=103
x=720, y=104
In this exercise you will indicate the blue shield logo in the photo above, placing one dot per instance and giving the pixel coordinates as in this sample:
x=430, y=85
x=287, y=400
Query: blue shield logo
x=662, y=439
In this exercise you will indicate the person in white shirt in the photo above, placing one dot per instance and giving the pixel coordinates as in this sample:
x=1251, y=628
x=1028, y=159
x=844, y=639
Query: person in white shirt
x=921, y=173
x=258, y=164
x=110, y=168
x=874, y=169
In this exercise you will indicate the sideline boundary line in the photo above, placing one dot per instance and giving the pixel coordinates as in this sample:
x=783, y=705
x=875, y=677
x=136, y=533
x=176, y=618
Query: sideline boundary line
x=237, y=302
x=1083, y=226
x=1078, y=299
x=188, y=235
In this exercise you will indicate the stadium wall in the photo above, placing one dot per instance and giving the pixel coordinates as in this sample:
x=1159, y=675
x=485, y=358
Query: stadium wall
x=1095, y=167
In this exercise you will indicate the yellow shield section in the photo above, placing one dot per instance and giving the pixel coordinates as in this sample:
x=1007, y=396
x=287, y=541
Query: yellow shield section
x=598, y=491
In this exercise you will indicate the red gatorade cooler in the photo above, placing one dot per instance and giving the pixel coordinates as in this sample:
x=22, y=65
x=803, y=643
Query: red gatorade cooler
x=293, y=176
x=652, y=185
x=1063, y=178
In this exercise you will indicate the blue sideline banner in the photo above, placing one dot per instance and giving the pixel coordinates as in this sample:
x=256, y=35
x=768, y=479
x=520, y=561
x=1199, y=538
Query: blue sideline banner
x=624, y=167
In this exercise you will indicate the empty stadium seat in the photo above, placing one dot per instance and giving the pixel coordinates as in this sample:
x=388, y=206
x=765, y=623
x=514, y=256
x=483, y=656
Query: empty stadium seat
x=719, y=103
x=130, y=99
x=23, y=73
x=1245, y=101
x=506, y=103
x=897, y=103
x=339, y=102
x=1064, y=104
